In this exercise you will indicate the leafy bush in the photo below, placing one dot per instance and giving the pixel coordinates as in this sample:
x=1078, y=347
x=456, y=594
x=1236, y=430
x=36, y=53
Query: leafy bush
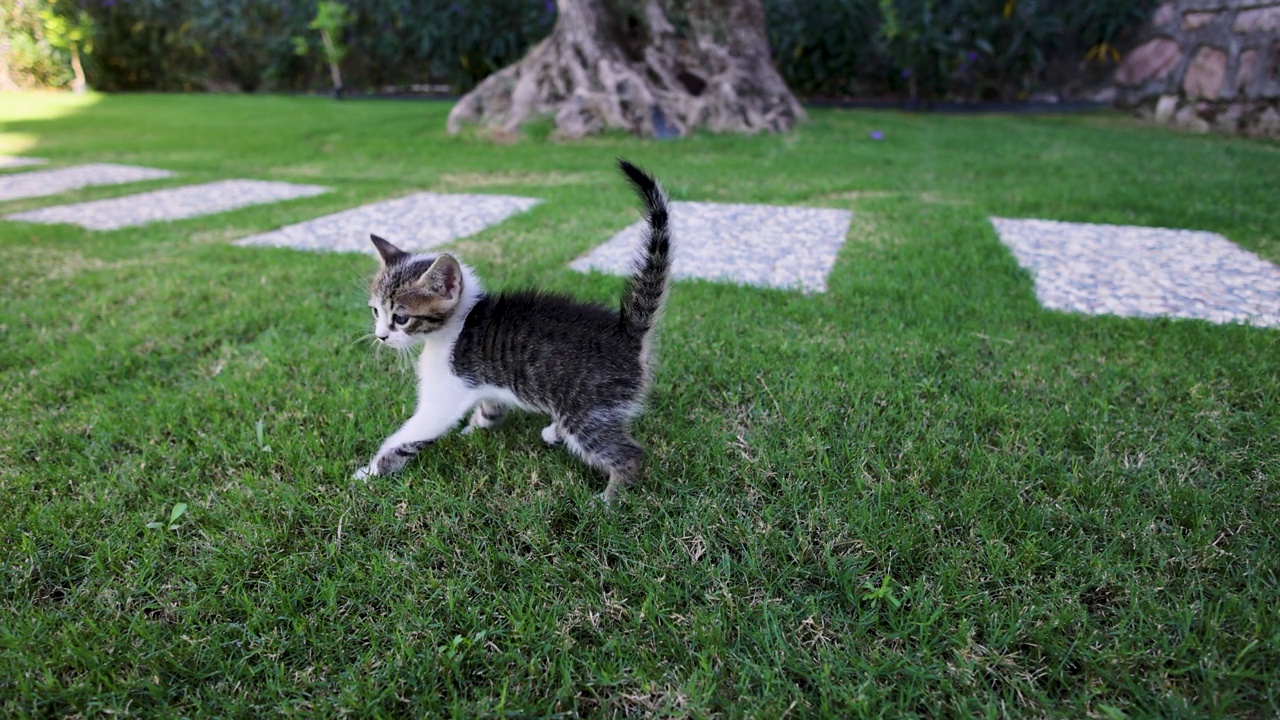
x=331, y=19
x=456, y=43
x=248, y=43
x=69, y=29
x=1008, y=44
x=149, y=45
x=961, y=49
x=27, y=58
x=827, y=47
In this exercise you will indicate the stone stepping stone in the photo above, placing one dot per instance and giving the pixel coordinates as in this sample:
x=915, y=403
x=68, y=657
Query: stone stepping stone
x=9, y=161
x=1143, y=271
x=416, y=222
x=791, y=248
x=50, y=182
x=169, y=204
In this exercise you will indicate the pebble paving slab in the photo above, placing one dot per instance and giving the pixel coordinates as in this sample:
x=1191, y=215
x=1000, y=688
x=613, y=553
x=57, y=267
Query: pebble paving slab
x=9, y=161
x=1144, y=271
x=765, y=245
x=50, y=182
x=169, y=204
x=415, y=222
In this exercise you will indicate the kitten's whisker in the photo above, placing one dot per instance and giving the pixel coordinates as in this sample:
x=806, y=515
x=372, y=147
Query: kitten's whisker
x=366, y=336
x=406, y=358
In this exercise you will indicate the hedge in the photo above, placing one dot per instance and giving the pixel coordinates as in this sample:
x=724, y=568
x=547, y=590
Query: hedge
x=962, y=49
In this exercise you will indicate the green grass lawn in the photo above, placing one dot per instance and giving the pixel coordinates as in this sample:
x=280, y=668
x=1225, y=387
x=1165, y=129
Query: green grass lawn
x=917, y=494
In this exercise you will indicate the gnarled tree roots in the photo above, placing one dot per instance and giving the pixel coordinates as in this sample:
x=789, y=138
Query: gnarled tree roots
x=604, y=68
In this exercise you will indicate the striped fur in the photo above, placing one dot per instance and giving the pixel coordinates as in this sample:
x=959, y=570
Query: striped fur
x=646, y=292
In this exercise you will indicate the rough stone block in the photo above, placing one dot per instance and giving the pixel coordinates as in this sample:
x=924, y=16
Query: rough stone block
x=1153, y=59
x=1265, y=19
x=416, y=222
x=790, y=248
x=1219, y=4
x=1166, y=106
x=1188, y=119
x=1245, y=70
x=1228, y=121
x=169, y=204
x=1143, y=271
x=7, y=161
x=1205, y=73
x=1266, y=86
x=1197, y=20
x=1267, y=124
x=51, y=182
x=1164, y=15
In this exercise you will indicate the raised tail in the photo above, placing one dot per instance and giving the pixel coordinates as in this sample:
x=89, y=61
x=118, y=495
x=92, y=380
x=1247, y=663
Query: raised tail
x=646, y=293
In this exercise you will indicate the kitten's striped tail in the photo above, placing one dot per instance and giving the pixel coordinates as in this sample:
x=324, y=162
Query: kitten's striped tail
x=646, y=293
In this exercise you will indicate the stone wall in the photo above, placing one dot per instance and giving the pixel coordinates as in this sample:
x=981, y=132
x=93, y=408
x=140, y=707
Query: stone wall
x=1207, y=65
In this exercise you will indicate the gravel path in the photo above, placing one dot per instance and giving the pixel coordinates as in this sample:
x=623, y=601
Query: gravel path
x=9, y=161
x=763, y=245
x=169, y=204
x=1144, y=272
x=49, y=182
x=416, y=222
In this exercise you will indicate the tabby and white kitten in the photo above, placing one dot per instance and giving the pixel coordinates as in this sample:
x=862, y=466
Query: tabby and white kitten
x=585, y=365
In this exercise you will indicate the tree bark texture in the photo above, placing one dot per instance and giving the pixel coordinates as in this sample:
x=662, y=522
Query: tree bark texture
x=655, y=68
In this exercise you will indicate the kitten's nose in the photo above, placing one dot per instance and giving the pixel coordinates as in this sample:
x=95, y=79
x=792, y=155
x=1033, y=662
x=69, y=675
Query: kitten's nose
x=383, y=338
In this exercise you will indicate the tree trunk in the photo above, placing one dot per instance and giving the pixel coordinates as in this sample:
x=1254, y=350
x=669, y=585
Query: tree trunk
x=78, y=84
x=624, y=64
x=330, y=53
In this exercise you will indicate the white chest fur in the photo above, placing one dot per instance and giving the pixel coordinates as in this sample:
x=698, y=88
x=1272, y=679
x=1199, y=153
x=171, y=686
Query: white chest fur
x=438, y=387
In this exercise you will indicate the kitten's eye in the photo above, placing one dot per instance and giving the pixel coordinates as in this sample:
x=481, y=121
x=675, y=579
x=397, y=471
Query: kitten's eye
x=375, y=312
x=399, y=319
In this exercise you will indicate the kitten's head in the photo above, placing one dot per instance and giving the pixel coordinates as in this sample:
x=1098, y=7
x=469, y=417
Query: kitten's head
x=413, y=295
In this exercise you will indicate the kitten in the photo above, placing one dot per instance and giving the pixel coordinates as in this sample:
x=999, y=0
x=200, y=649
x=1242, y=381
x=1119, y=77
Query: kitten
x=587, y=366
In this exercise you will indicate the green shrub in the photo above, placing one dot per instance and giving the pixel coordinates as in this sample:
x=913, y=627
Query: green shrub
x=827, y=47
x=148, y=45
x=247, y=43
x=959, y=49
x=69, y=29
x=441, y=41
x=27, y=58
x=331, y=21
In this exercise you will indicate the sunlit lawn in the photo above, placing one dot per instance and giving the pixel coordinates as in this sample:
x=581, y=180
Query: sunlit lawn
x=916, y=494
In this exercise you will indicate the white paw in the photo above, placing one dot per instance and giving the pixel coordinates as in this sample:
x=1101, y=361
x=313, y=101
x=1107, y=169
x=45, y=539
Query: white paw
x=468, y=429
x=365, y=473
x=550, y=436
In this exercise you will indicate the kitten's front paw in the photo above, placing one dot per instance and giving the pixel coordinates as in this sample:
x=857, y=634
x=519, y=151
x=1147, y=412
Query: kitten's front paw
x=366, y=472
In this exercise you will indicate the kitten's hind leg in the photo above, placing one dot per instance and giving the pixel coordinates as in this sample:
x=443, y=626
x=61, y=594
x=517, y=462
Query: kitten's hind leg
x=609, y=447
x=488, y=414
x=553, y=434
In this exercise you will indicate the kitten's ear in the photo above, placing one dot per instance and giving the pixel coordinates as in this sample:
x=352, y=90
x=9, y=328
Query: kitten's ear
x=443, y=278
x=389, y=253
